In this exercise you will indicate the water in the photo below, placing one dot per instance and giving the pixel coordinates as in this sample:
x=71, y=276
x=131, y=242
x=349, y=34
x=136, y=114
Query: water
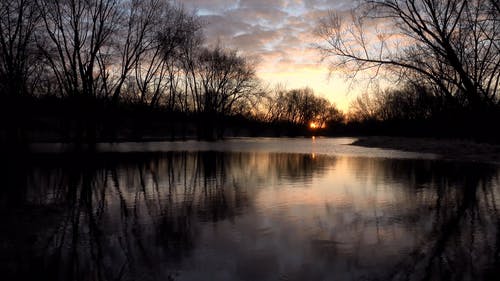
x=247, y=209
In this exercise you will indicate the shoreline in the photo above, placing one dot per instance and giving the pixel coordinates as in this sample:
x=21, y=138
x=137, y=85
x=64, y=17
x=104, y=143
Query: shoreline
x=449, y=149
x=446, y=149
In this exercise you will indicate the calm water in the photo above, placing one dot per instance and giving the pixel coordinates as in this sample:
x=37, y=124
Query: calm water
x=248, y=209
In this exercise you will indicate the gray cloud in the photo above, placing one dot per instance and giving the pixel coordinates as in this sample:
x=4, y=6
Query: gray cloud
x=252, y=24
x=211, y=5
x=278, y=32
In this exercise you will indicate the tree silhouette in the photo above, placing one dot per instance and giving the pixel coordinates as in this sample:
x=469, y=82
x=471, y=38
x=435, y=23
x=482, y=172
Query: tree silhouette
x=452, y=45
x=18, y=52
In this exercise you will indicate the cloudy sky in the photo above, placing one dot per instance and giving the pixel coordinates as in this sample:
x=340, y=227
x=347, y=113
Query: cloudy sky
x=280, y=34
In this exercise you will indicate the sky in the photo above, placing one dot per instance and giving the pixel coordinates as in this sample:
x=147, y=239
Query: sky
x=279, y=34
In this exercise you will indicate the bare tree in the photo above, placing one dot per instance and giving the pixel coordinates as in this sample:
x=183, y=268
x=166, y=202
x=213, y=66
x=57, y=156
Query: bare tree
x=180, y=35
x=225, y=79
x=133, y=37
x=76, y=32
x=18, y=55
x=300, y=107
x=365, y=107
x=275, y=105
x=189, y=55
x=149, y=47
x=452, y=44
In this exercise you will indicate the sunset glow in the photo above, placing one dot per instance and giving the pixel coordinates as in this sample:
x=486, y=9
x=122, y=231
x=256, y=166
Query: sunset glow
x=313, y=125
x=280, y=36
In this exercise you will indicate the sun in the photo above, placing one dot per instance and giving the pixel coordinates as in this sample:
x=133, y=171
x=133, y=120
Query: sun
x=313, y=125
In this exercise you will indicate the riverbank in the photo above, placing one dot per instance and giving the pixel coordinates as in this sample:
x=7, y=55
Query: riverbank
x=449, y=149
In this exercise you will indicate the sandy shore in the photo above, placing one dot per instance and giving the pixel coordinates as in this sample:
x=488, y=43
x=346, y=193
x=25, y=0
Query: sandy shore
x=449, y=149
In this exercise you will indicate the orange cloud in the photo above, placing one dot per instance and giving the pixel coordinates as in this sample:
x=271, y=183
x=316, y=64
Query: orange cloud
x=280, y=33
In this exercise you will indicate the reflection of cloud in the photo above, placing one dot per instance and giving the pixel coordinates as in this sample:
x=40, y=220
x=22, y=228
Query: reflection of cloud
x=279, y=32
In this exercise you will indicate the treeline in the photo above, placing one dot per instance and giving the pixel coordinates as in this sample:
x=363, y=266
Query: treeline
x=116, y=53
x=414, y=110
x=100, y=69
x=299, y=107
x=90, y=70
x=87, y=70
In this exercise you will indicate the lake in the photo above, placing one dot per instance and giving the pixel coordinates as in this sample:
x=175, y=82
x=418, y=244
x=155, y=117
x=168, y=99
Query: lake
x=247, y=209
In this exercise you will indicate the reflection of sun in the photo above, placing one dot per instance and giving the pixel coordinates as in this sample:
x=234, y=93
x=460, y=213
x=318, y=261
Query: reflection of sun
x=313, y=125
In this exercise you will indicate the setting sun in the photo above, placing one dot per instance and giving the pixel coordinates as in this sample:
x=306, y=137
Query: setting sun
x=313, y=125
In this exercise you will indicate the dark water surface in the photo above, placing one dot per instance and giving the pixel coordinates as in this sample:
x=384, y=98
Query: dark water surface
x=254, y=209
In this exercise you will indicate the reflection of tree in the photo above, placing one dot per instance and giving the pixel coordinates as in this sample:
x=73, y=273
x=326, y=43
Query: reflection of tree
x=449, y=210
x=297, y=167
x=133, y=215
x=460, y=245
x=140, y=216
